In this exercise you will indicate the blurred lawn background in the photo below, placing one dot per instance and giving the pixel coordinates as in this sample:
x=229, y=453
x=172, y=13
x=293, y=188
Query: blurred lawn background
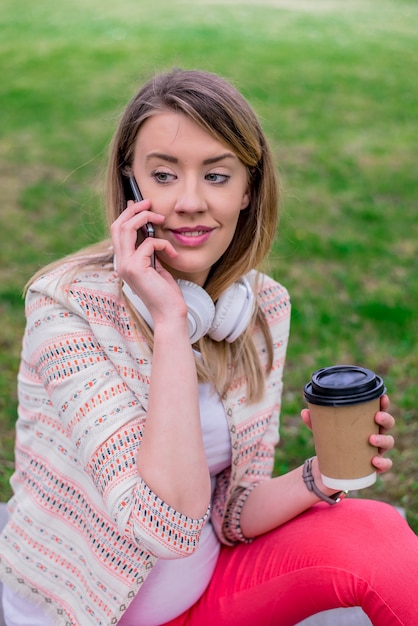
x=335, y=86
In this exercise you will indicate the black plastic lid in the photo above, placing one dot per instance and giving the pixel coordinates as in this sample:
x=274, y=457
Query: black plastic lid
x=341, y=385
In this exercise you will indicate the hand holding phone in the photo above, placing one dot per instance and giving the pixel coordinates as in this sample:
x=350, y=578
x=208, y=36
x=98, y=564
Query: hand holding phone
x=148, y=230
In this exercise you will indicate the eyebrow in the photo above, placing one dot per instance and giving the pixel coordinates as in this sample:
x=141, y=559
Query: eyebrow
x=172, y=159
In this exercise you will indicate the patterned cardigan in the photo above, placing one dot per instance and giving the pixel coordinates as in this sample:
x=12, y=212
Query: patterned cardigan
x=84, y=528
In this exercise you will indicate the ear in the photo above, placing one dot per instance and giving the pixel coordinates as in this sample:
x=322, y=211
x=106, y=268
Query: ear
x=126, y=169
x=246, y=198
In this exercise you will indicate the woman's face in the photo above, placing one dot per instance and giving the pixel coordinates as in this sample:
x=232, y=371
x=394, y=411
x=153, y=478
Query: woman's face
x=197, y=183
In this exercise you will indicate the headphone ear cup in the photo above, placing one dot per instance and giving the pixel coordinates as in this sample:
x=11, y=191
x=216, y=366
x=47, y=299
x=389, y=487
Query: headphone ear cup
x=233, y=312
x=200, y=309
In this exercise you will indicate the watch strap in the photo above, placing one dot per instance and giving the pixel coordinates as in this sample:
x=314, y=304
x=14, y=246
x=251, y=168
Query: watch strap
x=309, y=481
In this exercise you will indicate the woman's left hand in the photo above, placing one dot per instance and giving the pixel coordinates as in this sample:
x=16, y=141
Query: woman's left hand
x=382, y=441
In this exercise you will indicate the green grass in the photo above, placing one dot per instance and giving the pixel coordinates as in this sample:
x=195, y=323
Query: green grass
x=335, y=87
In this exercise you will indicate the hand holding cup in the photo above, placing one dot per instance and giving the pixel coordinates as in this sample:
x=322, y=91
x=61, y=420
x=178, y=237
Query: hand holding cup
x=349, y=419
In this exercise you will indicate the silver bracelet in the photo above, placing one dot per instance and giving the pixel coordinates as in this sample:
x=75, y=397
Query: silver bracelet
x=309, y=481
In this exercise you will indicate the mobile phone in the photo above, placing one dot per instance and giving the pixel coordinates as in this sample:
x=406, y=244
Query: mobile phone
x=148, y=230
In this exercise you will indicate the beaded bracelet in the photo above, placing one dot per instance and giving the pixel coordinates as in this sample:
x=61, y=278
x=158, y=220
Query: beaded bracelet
x=309, y=481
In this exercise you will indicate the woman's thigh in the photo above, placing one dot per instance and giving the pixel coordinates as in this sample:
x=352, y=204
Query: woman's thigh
x=359, y=553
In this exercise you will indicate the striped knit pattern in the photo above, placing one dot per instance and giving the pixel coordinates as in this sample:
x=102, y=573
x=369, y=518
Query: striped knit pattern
x=84, y=528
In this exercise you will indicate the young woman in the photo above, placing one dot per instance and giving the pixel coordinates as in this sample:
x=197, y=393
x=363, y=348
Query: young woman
x=149, y=399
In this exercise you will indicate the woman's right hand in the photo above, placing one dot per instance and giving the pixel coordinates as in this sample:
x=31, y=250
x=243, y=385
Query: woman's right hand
x=155, y=287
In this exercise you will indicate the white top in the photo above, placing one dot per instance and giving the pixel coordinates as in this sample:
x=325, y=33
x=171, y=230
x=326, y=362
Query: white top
x=176, y=584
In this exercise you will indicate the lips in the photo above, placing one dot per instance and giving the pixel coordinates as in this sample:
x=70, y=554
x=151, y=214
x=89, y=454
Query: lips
x=192, y=236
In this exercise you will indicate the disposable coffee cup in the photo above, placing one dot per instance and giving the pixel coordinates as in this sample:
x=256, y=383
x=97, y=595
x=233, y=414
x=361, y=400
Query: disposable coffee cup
x=343, y=400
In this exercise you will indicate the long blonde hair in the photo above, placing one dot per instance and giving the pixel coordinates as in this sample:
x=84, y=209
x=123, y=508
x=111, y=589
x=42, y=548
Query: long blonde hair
x=216, y=106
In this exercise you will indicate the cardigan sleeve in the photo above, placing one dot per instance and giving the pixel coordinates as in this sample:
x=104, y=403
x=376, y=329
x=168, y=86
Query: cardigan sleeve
x=231, y=495
x=256, y=426
x=79, y=366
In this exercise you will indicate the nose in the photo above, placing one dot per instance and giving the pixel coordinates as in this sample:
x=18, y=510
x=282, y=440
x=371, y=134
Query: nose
x=191, y=198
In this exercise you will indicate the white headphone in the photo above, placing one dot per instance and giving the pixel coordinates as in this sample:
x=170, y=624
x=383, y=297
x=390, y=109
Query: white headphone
x=227, y=320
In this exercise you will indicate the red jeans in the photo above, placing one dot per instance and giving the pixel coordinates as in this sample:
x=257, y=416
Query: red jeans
x=357, y=553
